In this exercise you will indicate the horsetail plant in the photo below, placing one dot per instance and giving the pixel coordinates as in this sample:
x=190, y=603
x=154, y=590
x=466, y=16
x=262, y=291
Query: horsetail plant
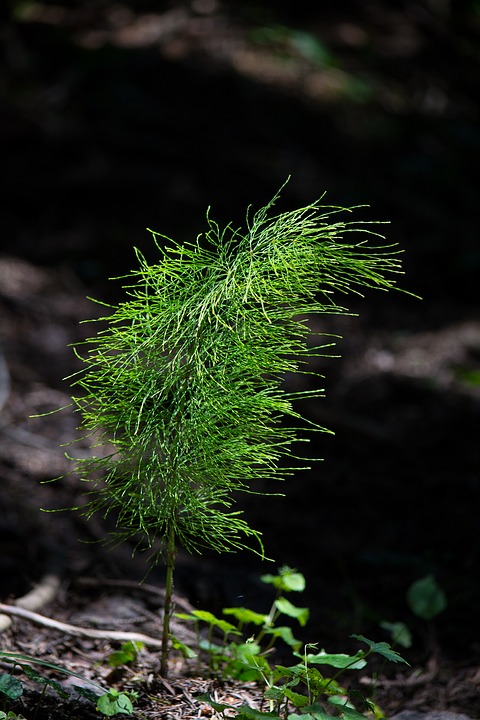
x=182, y=392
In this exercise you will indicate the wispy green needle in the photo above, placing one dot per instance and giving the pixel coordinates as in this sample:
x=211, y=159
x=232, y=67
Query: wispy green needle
x=183, y=390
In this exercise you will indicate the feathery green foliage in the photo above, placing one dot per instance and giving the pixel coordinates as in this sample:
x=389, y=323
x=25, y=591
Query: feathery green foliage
x=184, y=389
x=182, y=394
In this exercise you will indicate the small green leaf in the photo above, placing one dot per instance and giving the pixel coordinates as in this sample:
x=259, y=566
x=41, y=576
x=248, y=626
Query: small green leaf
x=338, y=660
x=292, y=580
x=285, y=633
x=399, y=632
x=246, y=652
x=381, y=648
x=204, y=615
x=186, y=651
x=287, y=580
x=211, y=647
x=287, y=608
x=274, y=693
x=118, y=658
x=426, y=598
x=114, y=703
x=11, y=687
x=331, y=687
x=315, y=713
x=245, y=662
x=317, y=684
x=245, y=712
x=341, y=703
x=295, y=698
x=350, y=713
x=246, y=616
x=247, y=674
x=126, y=655
x=280, y=671
x=211, y=620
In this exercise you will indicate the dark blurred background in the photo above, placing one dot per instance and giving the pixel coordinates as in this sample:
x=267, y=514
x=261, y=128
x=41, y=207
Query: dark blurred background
x=115, y=117
x=120, y=116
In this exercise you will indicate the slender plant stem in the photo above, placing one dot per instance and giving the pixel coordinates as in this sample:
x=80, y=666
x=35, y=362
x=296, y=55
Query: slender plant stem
x=167, y=608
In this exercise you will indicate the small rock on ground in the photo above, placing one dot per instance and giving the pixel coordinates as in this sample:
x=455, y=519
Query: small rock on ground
x=433, y=715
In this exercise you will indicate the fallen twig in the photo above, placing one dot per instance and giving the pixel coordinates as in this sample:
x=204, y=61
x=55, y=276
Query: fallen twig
x=79, y=631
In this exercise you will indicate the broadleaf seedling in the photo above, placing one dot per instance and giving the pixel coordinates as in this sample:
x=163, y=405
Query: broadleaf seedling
x=302, y=685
